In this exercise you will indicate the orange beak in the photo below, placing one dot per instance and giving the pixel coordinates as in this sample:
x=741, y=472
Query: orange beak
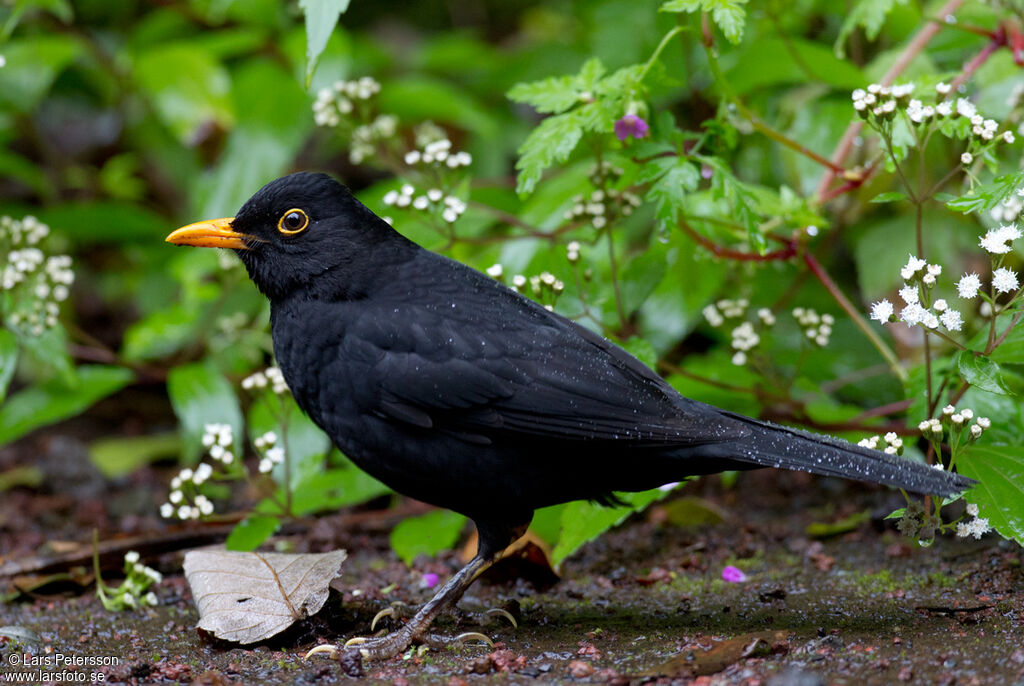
x=215, y=233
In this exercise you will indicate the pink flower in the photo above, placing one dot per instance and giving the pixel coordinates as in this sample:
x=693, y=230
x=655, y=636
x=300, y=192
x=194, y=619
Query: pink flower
x=429, y=580
x=734, y=575
x=631, y=126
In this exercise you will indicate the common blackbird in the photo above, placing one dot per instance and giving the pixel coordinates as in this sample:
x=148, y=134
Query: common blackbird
x=456, y=390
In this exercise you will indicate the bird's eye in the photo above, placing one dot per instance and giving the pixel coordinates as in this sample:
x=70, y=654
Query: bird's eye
x=292, y=222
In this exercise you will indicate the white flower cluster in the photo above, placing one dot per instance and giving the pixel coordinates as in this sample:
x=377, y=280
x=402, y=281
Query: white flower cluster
x=138, y=577
x=817, y=328
x=977, y=526
x=437, y=153
x=717, y=313
x=603, y=206
x=893, y=443
x=271, y=376
x=956, y=421
x=918, y=310
x=37, y=282
x=572, y=252
x=272, y=453
x=997, y=241
x=744, y=339
x=333, y=102
x=365, y=137
x=543, y=286
x=434, y=200
x=881, y=104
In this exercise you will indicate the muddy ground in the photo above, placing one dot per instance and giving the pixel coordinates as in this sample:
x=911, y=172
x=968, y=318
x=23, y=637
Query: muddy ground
x=645, y=602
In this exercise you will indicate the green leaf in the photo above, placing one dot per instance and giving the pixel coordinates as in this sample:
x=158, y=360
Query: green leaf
x=305, y=443
x=981, y=372
x=673, y=178
x=188, y=87
x=31, y=67
x=8, y=360
x=559, y=93
x=989, y=195
x=641, y=276
x=53, y=401
x=869, y=14
x=642, y=350
x=583, y=521
x=999, y=470
x=201, y=395
x=428, y=534
x=552, y=141
x=161, y=333
x=334, y=488
x=729, y=15
x=321, y=17
x=890, y=196
x=263, y=144
x=116, y=457
x=251, y=532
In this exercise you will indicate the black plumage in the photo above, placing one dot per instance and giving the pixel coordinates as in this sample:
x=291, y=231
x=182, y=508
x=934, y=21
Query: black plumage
x=455, y=390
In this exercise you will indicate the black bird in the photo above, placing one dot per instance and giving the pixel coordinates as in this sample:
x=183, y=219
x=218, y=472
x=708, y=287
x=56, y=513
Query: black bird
x=455, y=390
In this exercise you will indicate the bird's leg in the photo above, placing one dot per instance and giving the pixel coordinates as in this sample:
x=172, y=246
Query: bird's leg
x=415, y=629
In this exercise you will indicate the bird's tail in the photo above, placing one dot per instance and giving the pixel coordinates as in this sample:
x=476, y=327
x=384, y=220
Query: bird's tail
x=771, y=445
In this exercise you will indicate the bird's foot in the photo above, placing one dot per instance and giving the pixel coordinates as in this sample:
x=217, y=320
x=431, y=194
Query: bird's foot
x=399, y=610
x=385, y=647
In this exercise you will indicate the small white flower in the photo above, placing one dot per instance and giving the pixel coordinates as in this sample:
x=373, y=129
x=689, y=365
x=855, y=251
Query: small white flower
x=948, y=410
x=882, y=311
x=965, y=108
x=1008, y=136
x=276, y=455
x=940, y=305
x=184, y=512
x=913, y=266
x=150, y=599
x=203, y=472
x=909, y=295
x=966, y=158
x=995, y=241
x=984, y=422
x=1004, y=280
x=968, y=285
x=739, y=359
x=412, y=157
x=495, y=271
x=176, y=497
x=944, y=109
x=967, y=412
x=265, y=466
x=942, y=88
x=952, y=320
x=167, y=510
x=131, y=557
x=913, y=314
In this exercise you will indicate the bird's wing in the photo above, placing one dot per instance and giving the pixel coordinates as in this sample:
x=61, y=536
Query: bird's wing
x=520, y=370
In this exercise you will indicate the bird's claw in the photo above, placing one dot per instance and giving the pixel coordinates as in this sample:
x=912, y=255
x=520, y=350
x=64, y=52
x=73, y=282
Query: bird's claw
x=499, y=612
x=386, y=612
x=357, y=641
x=332, y=651
x=438, y=642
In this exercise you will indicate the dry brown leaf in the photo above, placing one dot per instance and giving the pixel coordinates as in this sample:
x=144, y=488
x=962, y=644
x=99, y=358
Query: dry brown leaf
x=249, y=597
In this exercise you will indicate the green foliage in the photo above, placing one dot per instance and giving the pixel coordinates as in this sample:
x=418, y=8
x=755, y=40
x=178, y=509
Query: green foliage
x=119, y=122
x=999, y=470
x=426, y=534
x=729, y=15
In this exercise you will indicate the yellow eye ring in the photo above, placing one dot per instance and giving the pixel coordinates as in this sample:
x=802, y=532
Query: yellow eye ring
x=292, y=222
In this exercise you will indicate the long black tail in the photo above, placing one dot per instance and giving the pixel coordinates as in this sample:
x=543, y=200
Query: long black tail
x=771, y=445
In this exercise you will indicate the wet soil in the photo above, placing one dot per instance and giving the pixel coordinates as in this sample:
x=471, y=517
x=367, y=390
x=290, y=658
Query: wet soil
x=645, y=602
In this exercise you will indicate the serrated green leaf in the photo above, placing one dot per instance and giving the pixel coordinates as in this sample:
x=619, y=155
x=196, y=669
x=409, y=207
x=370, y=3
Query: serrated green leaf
x=8, y=360
x=552, y=141
x=251, y=532
x=999, y=470
x=988, y=195
x=161, y=333
x=53, y=401
x=728, y=15
x=869, y=14
x=200, y=395
x=671, y=179
x=981, y=372
x=549, y=96
x=321, y=17
x=642, y=350
x=428, y=534
x=890, y=196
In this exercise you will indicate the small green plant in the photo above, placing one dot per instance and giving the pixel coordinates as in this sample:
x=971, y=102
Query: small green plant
x=134, y=591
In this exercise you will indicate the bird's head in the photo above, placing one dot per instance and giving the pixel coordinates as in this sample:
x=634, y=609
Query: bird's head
x=302, y=232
